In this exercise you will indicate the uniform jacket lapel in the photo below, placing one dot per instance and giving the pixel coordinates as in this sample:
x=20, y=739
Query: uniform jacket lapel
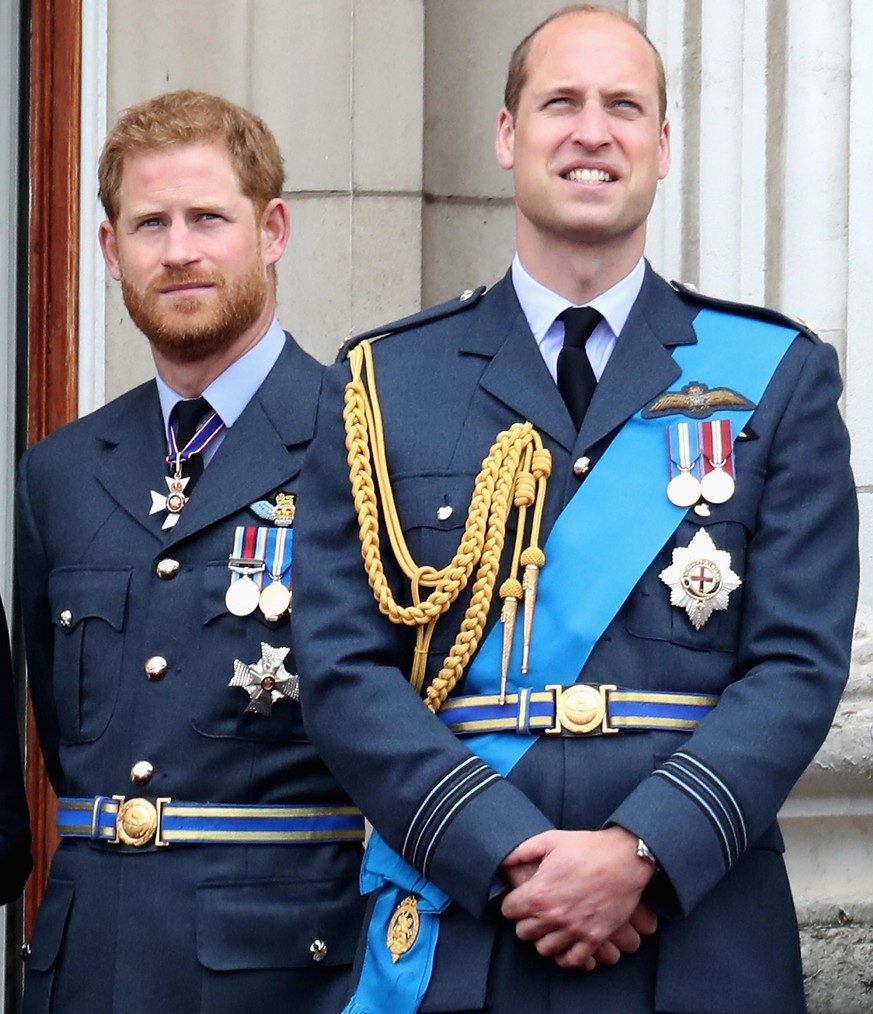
x=642, y=364
x=265, y=448
x=517, y=374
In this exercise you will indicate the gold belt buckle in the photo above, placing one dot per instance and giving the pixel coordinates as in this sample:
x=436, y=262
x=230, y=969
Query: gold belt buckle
x=580, y=708
x=138, y=821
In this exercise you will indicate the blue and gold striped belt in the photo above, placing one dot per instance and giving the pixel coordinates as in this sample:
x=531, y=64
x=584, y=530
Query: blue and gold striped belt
x=120, y=821
x=582, y=709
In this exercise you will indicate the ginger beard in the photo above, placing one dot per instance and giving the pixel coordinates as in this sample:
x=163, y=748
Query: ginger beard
x=193, y=329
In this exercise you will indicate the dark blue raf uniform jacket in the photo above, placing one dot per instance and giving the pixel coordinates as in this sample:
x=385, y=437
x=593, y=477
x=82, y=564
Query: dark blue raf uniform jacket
x=778, y=655
x=15, y=861
x=221, y=929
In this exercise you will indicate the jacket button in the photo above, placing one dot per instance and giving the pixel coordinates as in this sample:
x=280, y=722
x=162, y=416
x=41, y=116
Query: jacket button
x=444, y=513
x=156, y=668
x=167, y=569
x=25, y=951
x=581, y=465
x=318, y=950
x=141, y=773
x=66, y=619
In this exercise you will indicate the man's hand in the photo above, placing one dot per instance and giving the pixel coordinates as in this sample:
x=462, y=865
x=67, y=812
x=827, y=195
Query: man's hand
x=582, y=905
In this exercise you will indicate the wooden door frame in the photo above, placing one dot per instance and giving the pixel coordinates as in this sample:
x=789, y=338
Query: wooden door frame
x=53, y=307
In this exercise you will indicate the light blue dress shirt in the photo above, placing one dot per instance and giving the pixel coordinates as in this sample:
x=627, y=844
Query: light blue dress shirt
x=541, y=306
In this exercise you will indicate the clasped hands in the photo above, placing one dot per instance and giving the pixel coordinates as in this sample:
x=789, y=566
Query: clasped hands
x=576, y=895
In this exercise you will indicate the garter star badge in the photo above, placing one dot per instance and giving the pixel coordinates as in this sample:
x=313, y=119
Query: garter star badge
x=265, y=681
x=700, y=578
x=403, y=927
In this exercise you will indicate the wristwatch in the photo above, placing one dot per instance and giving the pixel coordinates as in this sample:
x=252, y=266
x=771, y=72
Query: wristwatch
x=644, y=852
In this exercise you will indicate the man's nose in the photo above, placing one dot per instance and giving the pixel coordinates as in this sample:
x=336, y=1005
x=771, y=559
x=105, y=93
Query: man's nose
x=591, y=125
x=180, y=246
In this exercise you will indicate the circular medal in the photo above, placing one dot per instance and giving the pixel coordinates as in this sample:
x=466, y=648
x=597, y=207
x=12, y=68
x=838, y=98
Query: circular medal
x=717, y=486
x=241, y=598
x=275, y=599
x=683, y=490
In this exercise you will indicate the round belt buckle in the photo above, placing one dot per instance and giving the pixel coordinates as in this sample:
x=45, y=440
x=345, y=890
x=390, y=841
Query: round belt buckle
x=137, y=822
x=580, y=708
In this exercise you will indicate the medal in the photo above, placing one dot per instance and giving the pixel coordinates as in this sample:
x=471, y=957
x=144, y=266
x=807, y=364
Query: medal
x=275, y=599
x=173, y=502
x=265, y=681
x=717, y=484
x=245, y=565
x=700, y=578
x=241, y=598
x=683, y=489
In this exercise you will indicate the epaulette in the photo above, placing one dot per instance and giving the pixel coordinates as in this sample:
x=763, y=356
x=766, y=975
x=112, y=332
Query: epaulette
x=689, y=292
x=467, y=299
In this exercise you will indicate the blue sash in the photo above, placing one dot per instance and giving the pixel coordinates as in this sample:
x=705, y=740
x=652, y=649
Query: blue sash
x=608, y=533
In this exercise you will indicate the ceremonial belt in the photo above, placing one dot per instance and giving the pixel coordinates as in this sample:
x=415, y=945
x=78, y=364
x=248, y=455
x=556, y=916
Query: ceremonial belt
x=120, y=821
x=580, y=709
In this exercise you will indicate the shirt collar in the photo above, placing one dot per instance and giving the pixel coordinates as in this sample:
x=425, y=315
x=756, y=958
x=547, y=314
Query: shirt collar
x=232, y=390
x=541, y=305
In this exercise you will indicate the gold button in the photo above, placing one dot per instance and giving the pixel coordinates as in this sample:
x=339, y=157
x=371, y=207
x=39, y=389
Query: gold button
x=318, y=950
x=156, y=667
x=581, y=465
x=167, y=569
x=141, y=773
x=66, y=619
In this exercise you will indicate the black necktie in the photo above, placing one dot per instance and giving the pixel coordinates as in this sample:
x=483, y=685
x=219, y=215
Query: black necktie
x=576, y=380
x=185, y=418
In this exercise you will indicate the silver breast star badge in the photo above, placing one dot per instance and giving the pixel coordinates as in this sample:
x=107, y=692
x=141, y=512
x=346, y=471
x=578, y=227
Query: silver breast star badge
x=700, y=578
x=265, y=681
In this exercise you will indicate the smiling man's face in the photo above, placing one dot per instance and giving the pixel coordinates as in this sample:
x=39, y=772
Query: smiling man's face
x=586, y=146
x=189, y=250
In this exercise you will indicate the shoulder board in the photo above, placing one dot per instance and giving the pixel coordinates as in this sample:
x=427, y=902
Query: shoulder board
x=467, y=299
x=689, y=292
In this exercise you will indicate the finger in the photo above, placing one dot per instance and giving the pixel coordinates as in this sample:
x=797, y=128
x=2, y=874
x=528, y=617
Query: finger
x=521, y=874
x=644, y=920
x=558, y=945
x=577, y=956
x=607, y=953
x=534, y=928
x=626, y=939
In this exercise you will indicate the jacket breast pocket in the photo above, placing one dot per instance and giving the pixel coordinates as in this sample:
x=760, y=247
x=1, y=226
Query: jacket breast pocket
x=433, y=512
x=729, y=527
x=219, y=710
x=89, y=607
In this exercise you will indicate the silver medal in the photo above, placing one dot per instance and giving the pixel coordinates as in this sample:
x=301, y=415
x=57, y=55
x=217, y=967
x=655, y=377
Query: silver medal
x=241, y=598
x=717, y=486
x=683, y=490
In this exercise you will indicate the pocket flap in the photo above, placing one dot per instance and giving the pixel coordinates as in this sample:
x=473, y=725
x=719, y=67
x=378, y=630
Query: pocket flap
x=50, y=925
x=98, y=592
x=275, y=924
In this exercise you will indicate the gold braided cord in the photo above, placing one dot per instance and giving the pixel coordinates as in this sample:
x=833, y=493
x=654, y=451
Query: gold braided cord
x=517, y=453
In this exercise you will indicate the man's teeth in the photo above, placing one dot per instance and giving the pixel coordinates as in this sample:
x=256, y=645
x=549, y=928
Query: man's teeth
x=588, y=176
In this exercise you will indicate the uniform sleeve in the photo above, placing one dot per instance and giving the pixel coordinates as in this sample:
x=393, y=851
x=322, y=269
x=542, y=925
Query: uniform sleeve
x=33, y=576
x=432, y=800
x=714, y=798
x=15, y=860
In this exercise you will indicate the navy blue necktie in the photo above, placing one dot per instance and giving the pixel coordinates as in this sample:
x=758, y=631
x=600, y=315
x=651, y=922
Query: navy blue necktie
x=576, y=380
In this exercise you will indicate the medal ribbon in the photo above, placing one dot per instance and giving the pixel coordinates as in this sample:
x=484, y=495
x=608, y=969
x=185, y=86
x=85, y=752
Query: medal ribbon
x=599, y=547
x=717, y=444
x=197, y=444
x=682, y=444
x=279, y=547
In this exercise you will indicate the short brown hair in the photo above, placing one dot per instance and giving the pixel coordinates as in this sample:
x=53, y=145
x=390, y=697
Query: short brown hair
x=517, y=76
x=191, y=117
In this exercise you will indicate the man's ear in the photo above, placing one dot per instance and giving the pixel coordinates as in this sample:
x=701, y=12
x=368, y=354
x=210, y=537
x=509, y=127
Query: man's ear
x=275, y=229
x=109, y=246
x=505, y=142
